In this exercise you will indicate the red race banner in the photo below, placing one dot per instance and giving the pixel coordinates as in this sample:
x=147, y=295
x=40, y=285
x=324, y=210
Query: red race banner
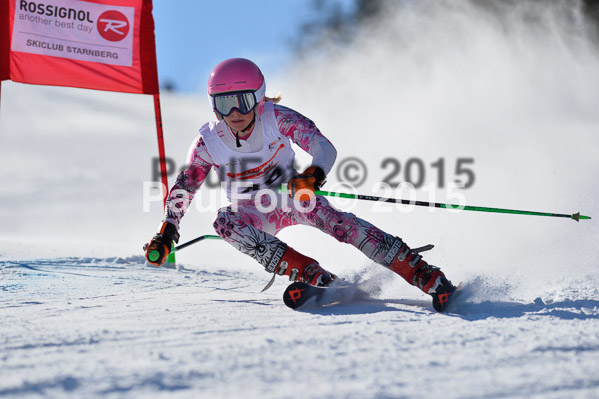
x=94, y=44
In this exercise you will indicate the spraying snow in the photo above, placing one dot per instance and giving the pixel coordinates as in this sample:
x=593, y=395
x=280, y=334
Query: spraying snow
x=515, y=89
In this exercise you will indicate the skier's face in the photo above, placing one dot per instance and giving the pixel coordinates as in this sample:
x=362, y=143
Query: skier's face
x=238, y=121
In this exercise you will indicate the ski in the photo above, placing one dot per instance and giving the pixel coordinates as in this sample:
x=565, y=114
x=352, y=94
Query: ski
x=305, y=296
x=302, y=296
x=442, y=300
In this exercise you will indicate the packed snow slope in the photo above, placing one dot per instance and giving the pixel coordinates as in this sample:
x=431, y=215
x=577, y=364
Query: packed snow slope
x=514, y=91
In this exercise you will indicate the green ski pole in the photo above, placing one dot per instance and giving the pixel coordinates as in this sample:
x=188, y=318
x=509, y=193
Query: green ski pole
x=197, y=239
x=576, y=216
x=154, y=255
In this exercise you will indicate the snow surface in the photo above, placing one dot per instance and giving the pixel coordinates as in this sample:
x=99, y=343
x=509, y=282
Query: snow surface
x=83, y=316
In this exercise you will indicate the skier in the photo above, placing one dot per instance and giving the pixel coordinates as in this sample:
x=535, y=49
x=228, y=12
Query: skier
x=250, y=148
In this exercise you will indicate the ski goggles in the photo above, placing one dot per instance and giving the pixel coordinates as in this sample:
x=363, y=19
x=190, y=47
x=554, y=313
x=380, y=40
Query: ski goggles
x=243, y=102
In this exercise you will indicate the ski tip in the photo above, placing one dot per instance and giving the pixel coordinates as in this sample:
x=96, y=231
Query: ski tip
x=578, y=217
x=442, y=298
x=294, y=296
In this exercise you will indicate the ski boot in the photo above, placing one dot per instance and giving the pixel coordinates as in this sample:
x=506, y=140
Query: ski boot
x=430, y=279
x=301, y=268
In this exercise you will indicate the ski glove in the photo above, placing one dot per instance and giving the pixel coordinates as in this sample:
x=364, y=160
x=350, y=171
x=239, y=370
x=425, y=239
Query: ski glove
x=301, y=187
x=160, y=245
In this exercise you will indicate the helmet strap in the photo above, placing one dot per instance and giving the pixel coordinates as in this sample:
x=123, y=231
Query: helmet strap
x=248, y=127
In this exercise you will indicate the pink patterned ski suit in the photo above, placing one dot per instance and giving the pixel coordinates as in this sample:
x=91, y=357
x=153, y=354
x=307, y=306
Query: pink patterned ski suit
x=253, y=231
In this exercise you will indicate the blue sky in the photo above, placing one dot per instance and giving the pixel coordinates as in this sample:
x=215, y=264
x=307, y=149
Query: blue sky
x=192, y=36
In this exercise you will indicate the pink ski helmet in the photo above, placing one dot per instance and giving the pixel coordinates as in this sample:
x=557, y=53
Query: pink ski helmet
x=236, y=83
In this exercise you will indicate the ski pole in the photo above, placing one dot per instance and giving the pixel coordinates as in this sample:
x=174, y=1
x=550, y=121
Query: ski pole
x=576, y=216
x=197, y=239
x=154, y=255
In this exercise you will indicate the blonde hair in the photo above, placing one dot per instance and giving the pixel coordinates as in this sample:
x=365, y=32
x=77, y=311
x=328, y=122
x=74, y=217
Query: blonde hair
x=275, y=100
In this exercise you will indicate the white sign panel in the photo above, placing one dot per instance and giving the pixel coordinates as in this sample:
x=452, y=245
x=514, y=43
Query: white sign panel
x=73, y=29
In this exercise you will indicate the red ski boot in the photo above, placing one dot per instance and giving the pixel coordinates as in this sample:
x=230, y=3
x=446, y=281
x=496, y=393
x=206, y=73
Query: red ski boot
x=430, y=279
x=302, y=268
